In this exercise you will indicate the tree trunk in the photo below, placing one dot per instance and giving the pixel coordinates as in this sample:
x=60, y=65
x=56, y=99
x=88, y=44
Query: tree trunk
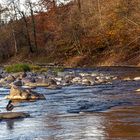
x=27, y=31
x=14, y=38
x=79, y=5
x=100, y=13
x=34, y=26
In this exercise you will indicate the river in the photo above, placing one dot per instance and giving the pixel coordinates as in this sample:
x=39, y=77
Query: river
x=99, y=112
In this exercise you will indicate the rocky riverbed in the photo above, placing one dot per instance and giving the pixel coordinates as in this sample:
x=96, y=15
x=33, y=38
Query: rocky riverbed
x=100, y=103
x=54, y=80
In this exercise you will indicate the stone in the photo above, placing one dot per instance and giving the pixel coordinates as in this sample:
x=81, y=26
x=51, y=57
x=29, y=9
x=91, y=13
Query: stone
x=58, y=79
x=19, y=75
x=28, y=80
x=2, y=81
x=69, y=77
x=127, y=79
x=10, y=78
x=54, y=87
x=34, y=85
x=17, y=83
x=138, y=90
x=84, y=74
x=40, y=80
x=19, y=93
x=94, y=74
x=1, y=76
x=23, y=75
x=51, y=82
x=76, y=80
x=114, y=78
x=61, y=74
x=137, y=78
x=86, y=82
x=13, y=115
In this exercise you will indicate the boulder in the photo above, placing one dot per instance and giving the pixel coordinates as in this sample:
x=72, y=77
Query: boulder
x=1, y=76
x=76, y=80
x=2, y=81
x=23, y=75
x=17, y=83
x=127, y=79
x=137, y=78
x=13, y=115
x=28, y=80
x=19, y=75
x=86, y=82
x=19, y=93
x=10, y=78
x=42, y=83
x=138, y=90
x=50, y=82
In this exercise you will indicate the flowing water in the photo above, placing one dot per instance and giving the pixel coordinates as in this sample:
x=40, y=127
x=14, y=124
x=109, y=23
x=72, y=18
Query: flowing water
x=99, y=112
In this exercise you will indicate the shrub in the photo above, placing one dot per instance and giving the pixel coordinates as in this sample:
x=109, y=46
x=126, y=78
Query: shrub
x=17, y=68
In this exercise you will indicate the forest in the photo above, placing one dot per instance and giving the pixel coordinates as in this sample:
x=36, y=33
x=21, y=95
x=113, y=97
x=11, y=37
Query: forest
x=74, y=33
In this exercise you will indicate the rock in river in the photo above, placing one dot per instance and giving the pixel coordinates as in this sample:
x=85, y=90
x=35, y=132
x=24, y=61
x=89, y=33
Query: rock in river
x=18, y=93
x=13, y=115
x=17, y=83
x=138, y=90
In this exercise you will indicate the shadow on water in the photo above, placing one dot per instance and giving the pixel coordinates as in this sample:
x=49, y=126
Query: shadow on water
x=10, y=123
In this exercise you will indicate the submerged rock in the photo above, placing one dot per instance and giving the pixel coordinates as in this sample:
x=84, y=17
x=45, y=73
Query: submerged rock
x=76, y=80
x=18, y=93
x=13, y=115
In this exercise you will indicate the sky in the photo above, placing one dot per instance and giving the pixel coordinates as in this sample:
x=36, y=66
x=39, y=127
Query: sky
x=22, y=2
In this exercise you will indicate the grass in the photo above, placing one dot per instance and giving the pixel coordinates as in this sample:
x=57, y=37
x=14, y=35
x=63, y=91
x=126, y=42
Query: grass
x=17, y=68
x=24, y=68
